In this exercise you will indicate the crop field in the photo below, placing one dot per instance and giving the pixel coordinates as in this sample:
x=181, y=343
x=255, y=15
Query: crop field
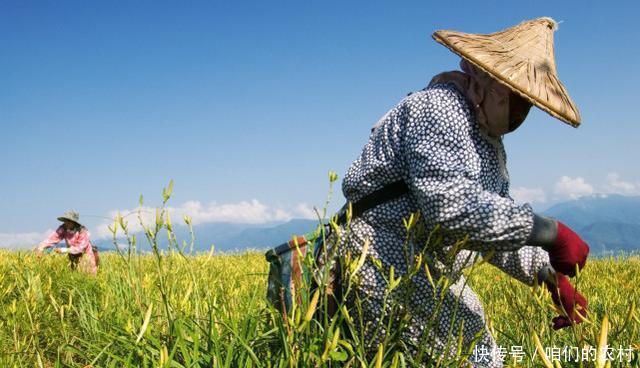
x=171, y=308
x=210, y=311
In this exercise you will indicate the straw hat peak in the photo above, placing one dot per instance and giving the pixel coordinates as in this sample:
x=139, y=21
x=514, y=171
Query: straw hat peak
x=521, y=57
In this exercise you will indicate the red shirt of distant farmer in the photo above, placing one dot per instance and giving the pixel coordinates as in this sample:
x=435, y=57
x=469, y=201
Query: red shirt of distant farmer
x=82, y=254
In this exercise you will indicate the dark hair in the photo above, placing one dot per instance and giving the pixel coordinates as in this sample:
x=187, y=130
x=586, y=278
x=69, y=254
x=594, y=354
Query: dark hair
x=76, y=226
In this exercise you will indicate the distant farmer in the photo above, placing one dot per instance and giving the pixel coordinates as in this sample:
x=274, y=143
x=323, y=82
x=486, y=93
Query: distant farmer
x=444, y=143
x=82, y=254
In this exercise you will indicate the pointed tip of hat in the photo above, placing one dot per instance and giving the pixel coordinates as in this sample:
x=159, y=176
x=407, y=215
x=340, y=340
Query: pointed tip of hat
x=554, y=24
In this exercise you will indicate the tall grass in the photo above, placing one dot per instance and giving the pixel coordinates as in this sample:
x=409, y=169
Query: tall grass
x=171, y=308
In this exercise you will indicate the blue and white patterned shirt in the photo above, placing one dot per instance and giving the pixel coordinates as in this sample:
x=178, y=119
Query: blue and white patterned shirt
x=458, y=179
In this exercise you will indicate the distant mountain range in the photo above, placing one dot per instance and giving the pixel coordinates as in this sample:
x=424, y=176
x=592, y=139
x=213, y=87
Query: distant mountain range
x=609, y=224
x=231, y=237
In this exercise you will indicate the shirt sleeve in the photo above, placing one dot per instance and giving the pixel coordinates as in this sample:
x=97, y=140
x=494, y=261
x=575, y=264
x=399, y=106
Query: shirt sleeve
x=527, y=264
x=443, y=171
x=53, y=239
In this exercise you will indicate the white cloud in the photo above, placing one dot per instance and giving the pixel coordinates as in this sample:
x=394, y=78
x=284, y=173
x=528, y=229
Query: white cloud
x=528, y=195
x=573, y=187
x=304, y=210
x=248, y=212
x=614, y=184
x=245, y=212
x=22, y=240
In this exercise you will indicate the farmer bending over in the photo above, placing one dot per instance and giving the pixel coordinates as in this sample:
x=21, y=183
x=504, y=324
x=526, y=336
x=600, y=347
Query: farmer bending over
x=445, y=143
x=82, y=254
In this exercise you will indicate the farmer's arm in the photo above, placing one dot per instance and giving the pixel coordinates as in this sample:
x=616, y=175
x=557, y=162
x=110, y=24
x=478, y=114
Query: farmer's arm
x=529, y=264
x=443, y=172
x=53, y=239
x=526, y=264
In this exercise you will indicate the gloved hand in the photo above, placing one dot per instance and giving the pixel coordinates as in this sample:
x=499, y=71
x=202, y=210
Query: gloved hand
x=565, y=296
x=566, y=249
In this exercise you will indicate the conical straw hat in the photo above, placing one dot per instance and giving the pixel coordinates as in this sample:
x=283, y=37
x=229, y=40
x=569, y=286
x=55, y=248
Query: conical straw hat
x=522, y=58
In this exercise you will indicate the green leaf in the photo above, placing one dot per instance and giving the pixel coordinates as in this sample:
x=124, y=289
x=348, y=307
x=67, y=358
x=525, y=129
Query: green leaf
x=339, y=355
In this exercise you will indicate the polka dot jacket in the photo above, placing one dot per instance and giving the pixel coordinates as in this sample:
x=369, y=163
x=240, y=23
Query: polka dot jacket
x=458, y=179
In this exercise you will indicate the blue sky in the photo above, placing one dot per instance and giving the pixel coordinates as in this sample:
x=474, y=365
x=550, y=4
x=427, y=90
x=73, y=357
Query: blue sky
x=248, y=105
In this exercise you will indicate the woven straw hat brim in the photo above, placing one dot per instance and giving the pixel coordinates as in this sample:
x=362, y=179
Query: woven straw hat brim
x=521, y=58
x=63, y=219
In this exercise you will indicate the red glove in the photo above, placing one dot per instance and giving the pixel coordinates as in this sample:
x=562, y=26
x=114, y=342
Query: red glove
x=565, y=296
x=568, y=251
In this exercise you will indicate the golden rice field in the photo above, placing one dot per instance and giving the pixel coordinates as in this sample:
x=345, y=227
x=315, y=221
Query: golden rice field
x=169, y=310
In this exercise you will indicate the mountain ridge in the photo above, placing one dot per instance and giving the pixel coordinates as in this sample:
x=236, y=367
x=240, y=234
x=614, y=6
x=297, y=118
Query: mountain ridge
x=608, y=224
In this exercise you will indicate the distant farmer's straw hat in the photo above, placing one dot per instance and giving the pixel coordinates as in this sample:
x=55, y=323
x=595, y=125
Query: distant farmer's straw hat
x=70, y=216
x=522, y=58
